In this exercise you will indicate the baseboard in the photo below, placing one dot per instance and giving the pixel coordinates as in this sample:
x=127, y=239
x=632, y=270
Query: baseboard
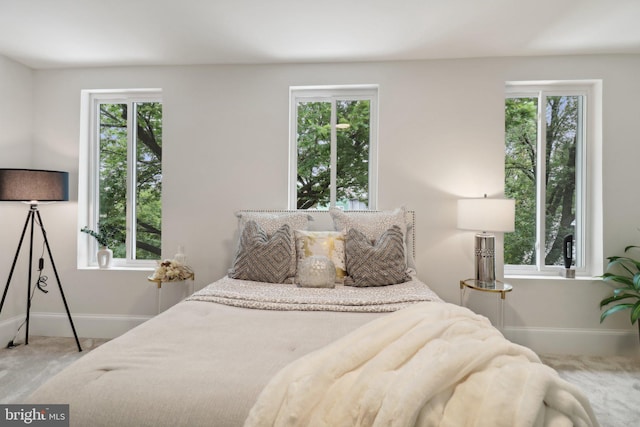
x=591, y=342
x=87, y=325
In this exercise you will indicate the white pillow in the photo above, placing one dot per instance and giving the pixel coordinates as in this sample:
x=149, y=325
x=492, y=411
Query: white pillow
x=270, y=222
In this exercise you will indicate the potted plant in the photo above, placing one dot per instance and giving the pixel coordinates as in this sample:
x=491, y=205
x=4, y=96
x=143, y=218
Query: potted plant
x=624, y=272
x=104, y=254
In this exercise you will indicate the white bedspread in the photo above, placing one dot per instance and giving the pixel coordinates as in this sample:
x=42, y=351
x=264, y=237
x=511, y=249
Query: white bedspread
x=426, y=365
x=285, y=297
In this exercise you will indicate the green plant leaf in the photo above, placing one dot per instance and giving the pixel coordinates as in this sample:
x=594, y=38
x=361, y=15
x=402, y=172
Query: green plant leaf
x=614, y=309
x=616, y=298
x=635, y=312
x=610, y=277
x=623, y=262
x=625, y=271
x=617, y=292
x=102, y=239
x=631, y=261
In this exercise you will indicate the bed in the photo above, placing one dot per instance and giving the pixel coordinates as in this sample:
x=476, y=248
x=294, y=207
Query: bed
x=257, y=349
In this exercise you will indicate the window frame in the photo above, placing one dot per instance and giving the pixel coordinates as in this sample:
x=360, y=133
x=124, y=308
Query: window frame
x=587, y=244
x=88, y=179
x=333, y=94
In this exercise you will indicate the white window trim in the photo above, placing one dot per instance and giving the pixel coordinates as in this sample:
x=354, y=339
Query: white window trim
x=589, y=182
x=88, y=156
x=334, y=93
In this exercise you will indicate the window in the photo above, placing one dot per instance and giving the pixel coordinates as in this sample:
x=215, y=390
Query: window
x=121, y=175
x=333, y=147
x=546, y=144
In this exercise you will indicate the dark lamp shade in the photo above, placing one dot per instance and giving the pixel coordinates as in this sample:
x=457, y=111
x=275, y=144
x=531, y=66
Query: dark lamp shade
x=25, y=185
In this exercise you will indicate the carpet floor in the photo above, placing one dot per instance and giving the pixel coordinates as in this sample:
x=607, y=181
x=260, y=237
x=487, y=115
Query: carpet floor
x=612, y=384
x=25, y=367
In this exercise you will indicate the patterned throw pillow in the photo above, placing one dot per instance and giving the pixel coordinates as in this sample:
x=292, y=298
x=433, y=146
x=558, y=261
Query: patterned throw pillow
x=324, y=243
x=270, y=222
x=262, y=258
x=376, y=264
x=373, y=223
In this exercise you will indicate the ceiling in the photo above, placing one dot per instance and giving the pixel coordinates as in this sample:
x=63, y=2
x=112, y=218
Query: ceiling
x=89, y=33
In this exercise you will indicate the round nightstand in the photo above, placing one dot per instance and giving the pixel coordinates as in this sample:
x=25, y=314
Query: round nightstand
x=159, y=283
x=496, y=287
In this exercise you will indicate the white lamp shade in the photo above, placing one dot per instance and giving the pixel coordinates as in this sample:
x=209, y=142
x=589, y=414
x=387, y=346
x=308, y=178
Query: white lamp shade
x=485, y=214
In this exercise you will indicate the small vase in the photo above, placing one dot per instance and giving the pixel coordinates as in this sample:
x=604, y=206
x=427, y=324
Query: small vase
x=104, y=257
x=180, y=257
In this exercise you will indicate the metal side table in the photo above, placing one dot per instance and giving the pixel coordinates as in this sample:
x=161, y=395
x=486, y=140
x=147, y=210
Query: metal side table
x=496, y=287
x=159, y=283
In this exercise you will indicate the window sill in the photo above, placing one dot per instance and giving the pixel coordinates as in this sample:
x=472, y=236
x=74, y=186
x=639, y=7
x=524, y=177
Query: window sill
x=546, y=277
x=116, y=268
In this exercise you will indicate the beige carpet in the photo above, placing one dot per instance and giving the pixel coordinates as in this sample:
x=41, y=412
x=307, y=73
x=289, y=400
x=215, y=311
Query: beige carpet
x=25, y=367
x=611, y=383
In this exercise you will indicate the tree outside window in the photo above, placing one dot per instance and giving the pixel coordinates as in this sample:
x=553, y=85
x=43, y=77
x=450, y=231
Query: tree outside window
x=124, y=175
x=116, y=198
x=544, y=166
x=334, y=148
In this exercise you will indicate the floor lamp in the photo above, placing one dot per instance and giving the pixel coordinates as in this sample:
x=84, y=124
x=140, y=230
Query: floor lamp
x=34, y=186
x=486, y=215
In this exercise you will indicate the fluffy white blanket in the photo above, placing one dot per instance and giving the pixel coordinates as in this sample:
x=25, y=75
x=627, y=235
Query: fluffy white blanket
x=432, y=364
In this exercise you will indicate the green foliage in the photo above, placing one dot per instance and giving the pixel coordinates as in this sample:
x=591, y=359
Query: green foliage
x=113, y=177
x=103, y=237
x=521, y=159
x=560, y=179
x=520, y=178
x=314, y=153
x=624, y=274
x=149, y=181
x=314, y=136
x=352, y=182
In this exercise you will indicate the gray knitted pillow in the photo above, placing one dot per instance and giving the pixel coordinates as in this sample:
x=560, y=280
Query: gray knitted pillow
x=264, y=259
x=374, y=223
x=375, y=264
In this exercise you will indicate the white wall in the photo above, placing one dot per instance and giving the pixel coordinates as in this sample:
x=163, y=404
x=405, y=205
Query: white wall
x=441, y=138
x=16, y=125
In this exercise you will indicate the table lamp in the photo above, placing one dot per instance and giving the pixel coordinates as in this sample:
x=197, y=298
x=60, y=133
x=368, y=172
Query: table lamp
x=486, y=216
